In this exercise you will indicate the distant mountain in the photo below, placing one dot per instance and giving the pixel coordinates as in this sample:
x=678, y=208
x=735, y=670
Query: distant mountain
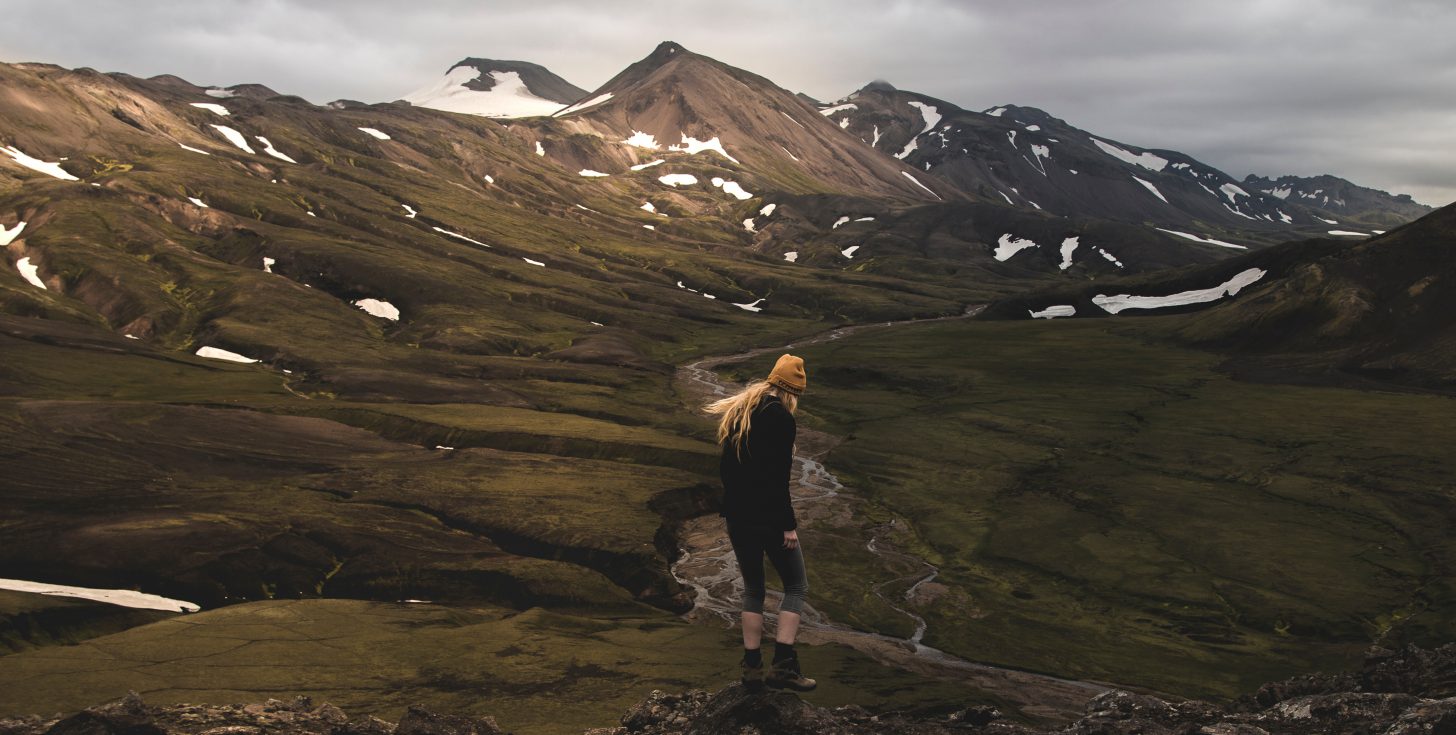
x=493, y=88
x=1029, y=158
x=1340, y=198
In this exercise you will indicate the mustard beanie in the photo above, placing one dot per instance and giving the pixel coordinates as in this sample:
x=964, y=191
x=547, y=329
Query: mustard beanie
x=788, y=373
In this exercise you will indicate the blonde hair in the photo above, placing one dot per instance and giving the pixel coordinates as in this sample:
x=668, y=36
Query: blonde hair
x=737, y=411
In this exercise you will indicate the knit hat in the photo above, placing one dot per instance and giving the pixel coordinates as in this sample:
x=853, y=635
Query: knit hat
x=788, y=373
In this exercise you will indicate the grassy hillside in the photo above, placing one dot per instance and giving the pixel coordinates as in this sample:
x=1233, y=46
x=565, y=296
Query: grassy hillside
x=1106, y=507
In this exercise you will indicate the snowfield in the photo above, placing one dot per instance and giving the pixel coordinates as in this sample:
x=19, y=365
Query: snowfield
x=30, y=272
x=235, y=138
x=381, y=309
x=640, y=139
x=123, y=598
x=1010, y=245
x=1149, y=161
x=1204, y=240
x=732, y=187
x=274, y=152
x=1052, y=312
x=675, y=180
x=8, y=236
x=597, y=100
x=212, y=107
x=35, y=164
x=1069, y=246
x=509, y=97
x=1121, y=302
x=1149, y=186
x=215, y=353
x=693, y=146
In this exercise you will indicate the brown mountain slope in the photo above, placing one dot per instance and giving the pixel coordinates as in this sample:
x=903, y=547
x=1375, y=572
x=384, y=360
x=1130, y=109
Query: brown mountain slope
x=773, y=138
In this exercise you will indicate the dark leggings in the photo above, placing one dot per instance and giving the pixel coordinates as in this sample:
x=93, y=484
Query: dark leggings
x=750, y=544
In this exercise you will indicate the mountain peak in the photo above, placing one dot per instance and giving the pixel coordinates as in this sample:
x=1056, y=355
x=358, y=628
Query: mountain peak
x=878, y=85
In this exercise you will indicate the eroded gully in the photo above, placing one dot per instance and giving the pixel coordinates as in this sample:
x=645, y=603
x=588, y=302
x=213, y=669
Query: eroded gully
x=823, y=504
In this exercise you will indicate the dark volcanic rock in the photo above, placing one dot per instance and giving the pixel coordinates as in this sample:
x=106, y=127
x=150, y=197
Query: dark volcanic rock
x=1396, y=693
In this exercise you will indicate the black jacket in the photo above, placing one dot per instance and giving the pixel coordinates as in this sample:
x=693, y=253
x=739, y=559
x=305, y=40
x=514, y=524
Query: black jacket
x=756, y=486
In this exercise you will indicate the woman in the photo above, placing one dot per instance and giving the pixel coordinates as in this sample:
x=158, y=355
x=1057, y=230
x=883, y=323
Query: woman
x=756, y=433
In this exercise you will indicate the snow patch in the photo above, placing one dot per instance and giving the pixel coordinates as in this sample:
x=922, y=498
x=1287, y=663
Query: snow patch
x=268, y=264
x=234, y=137
x=121, y=598
x=838, y=222
x=409, y=211
x=1149, y=186
x=997, y=112
x=1349, y=233
x=381, y=309
x=837, y=108
x=792, y=256
x=1110, y=257
x=534, y=262
x=381, y=135
x=909, y=148
x=768, y=209
x=215, y=353
x=754, y=306
x=1052, y=312
x=1326, y=221
x=675, y=180
x=1204, y=240
x=8, y=236
x=640, y=139
x=731, y=187
x=1120, y=302
x=791, y=119
x=647, y=206
x=1010, y=245
x=1069, y=246
x=649, y=164
x=30, y=272
x=597, y=100
x=198, y=202
x=590, y=173
x=1149, y=161
x=540, y=151
x=274, y=152
x=35, y=164
x=1232, y=191
x=748, y=225
x=693, y=146
x=218, y=93
x=917, y=183
x=849, y=251
x=212, y=107
x=459, y=236
x=194, y=150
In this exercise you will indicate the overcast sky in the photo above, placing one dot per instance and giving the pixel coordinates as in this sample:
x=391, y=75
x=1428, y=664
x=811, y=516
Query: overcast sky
x=1364, y=89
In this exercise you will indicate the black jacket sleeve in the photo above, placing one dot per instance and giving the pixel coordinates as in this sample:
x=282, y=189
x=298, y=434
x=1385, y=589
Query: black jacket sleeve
x=771, y=443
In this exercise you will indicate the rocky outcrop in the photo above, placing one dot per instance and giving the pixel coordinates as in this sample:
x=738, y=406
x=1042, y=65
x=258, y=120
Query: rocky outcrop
x=1406, y=692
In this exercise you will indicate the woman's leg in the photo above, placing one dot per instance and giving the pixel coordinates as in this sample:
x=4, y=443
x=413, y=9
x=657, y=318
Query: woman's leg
x=789, y=563
x=748, y=549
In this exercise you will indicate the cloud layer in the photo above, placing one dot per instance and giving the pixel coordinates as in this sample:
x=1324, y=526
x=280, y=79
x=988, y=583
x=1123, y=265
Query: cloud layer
x=1358, y=88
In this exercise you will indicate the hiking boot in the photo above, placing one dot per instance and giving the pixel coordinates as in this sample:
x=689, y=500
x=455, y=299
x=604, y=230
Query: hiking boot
x=752, y=677
x=785, y=675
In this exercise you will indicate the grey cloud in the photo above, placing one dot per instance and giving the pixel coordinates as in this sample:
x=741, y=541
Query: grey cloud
x=1358, y=88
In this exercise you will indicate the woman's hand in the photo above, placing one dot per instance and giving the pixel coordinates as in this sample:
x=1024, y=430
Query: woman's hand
x=791, y=539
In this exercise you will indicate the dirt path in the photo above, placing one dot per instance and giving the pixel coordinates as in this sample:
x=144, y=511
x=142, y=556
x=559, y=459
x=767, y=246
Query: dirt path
x=824, y=504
